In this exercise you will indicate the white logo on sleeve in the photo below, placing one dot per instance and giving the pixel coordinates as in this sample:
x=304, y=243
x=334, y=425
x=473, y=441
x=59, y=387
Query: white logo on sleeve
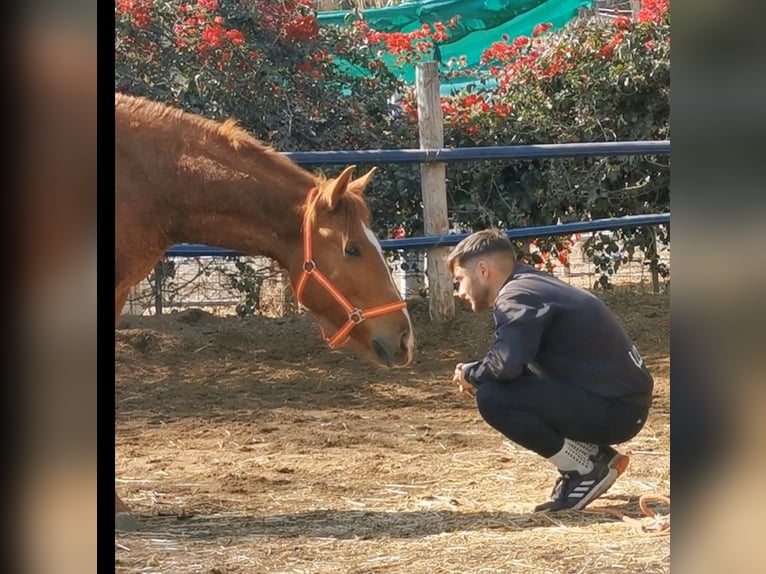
x=636, y=357
x=542, y=310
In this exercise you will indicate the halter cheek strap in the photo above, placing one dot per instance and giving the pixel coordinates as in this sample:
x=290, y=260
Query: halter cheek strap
x=355, y=314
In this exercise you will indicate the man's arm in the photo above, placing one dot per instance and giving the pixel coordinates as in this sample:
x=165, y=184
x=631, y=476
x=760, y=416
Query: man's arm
x=520, y=322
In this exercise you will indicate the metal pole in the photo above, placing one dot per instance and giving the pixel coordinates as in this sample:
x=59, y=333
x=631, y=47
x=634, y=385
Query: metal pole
x=158, y=280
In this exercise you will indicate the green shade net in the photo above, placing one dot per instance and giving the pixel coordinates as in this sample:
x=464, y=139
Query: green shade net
x=481, y=23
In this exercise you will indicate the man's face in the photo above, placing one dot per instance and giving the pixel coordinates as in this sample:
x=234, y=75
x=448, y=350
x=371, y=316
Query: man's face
x=471, y=284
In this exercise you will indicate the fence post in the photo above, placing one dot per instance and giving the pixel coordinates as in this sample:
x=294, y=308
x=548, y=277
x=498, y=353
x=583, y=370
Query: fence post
x=434, y=190
x=158, y=280
x=635, y=6
x=654, y=257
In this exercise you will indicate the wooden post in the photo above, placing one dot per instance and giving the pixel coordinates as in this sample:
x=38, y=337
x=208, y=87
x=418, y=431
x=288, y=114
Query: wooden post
x=434, y=190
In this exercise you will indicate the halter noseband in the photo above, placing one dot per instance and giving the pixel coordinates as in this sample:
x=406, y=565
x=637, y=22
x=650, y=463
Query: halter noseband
x=355, y=314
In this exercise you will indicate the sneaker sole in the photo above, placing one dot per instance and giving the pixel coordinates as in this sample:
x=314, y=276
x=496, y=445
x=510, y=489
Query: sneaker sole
x=617, y=467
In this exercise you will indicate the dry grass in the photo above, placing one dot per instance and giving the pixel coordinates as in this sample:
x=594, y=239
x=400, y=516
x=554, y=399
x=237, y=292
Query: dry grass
x=246, y=446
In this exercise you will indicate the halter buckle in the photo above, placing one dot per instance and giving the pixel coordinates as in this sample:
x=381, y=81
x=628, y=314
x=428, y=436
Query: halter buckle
x=356, y=316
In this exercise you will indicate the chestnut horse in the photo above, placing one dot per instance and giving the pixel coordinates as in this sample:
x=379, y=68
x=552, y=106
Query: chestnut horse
x=182, y=178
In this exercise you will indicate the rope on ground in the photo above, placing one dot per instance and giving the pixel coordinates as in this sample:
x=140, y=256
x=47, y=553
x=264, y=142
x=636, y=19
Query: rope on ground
x=651, y=524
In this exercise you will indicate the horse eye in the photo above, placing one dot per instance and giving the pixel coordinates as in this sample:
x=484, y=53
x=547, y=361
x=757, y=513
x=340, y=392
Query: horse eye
x=352, y=250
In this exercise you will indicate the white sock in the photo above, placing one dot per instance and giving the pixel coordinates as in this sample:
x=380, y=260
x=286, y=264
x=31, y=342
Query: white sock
x=574, y=456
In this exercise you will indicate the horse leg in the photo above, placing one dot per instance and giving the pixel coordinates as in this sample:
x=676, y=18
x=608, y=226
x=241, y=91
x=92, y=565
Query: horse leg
x=123, y=517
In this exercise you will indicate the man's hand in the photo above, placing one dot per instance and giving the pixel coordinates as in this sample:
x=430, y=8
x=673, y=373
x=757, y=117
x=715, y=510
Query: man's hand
x=463, y=386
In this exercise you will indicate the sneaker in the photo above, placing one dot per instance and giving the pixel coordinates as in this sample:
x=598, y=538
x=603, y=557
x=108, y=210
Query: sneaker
x=573, y=491
x=615, y=460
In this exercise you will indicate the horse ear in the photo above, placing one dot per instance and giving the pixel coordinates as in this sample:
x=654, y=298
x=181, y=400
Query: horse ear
x=360, y=184
x=338, y=186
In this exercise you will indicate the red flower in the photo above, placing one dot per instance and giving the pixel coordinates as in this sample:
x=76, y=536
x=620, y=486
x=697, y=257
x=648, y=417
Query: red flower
x=499, y=51
x=622, y=23
x=235, y=37
x=212, y=36
x=209, y=5
x=521, y=41
x=541, y=29
x=138, y=10
x=301, y=27
x=606, y=51
x=652, y=10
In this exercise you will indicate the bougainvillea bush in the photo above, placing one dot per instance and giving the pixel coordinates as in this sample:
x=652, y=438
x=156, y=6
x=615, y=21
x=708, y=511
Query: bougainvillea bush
x=596, y=80
x=265, y=62
x=299, y=86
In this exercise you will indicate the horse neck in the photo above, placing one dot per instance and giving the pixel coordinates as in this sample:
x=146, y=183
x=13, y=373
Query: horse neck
x=256, y=212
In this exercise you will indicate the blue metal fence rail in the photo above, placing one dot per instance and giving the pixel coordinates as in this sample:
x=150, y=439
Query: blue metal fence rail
x=196, y=250
x=528, y=151
x=590, y=149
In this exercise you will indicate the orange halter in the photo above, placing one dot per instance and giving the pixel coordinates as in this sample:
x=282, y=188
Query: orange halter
x=355, y=315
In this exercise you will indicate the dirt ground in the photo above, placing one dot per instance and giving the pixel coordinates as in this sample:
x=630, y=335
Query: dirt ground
x=246, y=445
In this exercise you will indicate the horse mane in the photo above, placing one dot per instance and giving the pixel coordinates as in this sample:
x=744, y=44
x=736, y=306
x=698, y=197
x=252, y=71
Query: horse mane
x=351, y=206
x=227, y=132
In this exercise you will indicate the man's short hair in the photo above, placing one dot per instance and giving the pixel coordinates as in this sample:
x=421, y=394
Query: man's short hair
x=478, y=244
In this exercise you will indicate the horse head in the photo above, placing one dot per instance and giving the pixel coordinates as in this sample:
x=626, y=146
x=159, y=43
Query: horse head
x=342, y=276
